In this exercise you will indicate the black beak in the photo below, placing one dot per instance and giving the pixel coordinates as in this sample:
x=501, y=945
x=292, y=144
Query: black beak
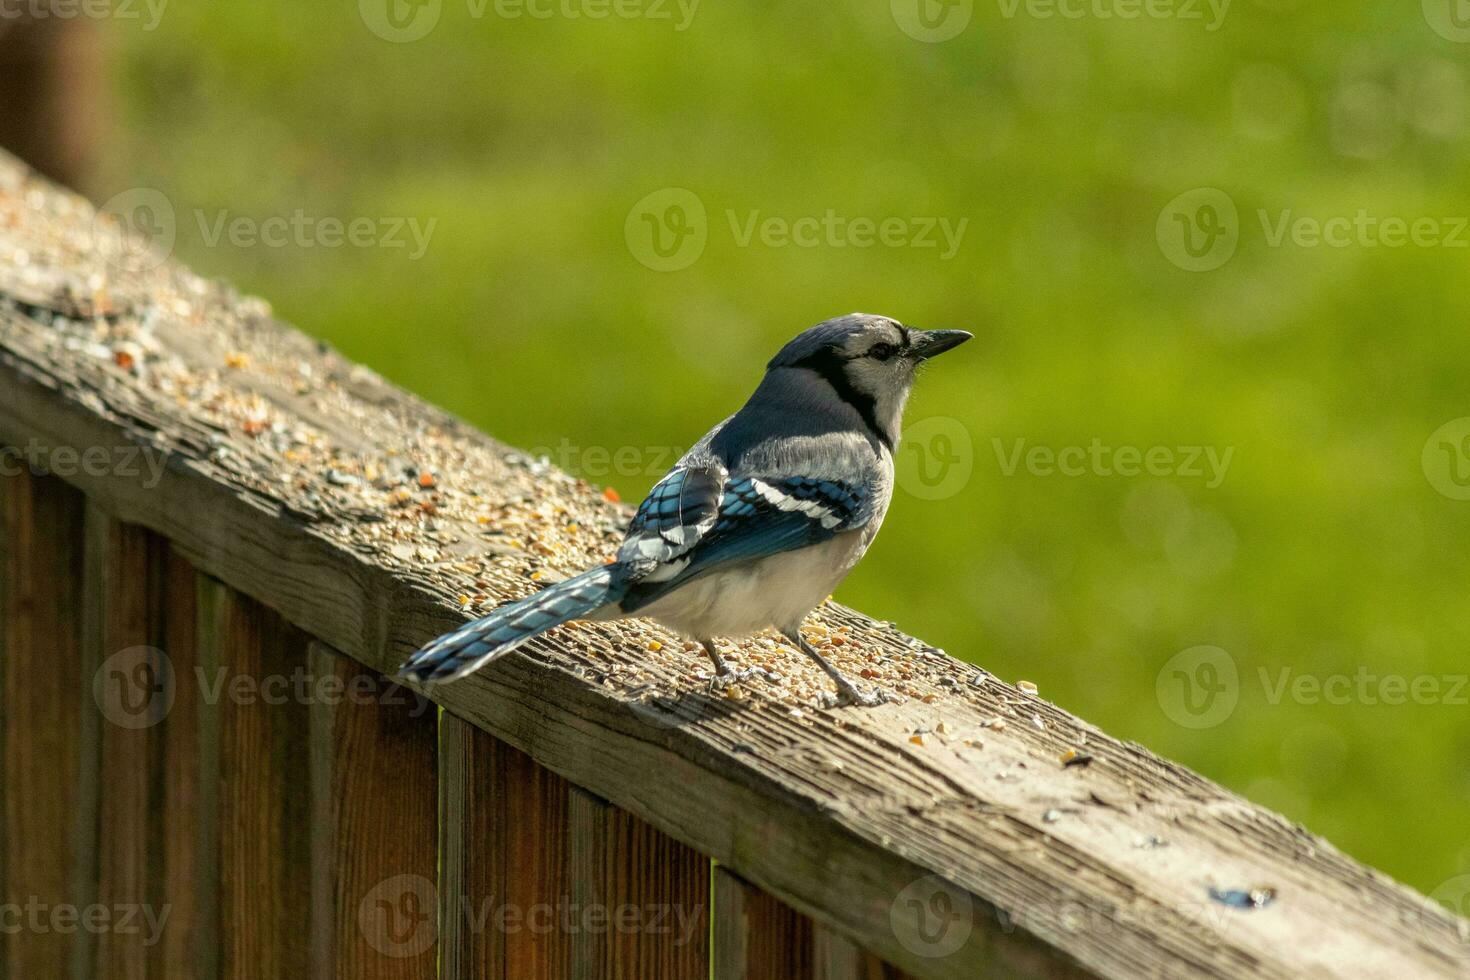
x=930, y=343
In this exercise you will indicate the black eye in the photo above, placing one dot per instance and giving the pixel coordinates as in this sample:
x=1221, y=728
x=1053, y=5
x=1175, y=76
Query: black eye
x=881, y=351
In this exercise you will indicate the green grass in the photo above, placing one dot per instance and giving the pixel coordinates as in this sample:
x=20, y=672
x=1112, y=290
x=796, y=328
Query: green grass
x=1325, y=550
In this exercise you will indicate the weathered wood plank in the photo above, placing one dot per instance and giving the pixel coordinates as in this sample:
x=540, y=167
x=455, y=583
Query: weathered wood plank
x=643, y=897
x=41, y=705
x=472, y=853
x=148, y=789
x=835, y=957
x=755, y=936
x=838, y=814
x=180, y=879
x=505, y=877
x=264, y=798
x=131, y=690
x=375, y=819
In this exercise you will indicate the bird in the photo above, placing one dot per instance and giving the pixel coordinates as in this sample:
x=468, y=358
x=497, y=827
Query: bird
x=754, y=526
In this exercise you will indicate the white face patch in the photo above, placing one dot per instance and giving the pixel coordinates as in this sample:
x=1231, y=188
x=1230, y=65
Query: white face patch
x=887, y=382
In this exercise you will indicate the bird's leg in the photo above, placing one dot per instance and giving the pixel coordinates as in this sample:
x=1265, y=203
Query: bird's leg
x=847, y=691
x=722, y=669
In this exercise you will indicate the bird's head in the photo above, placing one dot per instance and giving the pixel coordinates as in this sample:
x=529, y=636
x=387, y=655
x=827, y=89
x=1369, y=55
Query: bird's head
x=869, y=361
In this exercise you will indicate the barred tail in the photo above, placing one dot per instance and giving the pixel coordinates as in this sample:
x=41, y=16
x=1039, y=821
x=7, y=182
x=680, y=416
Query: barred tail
x=476, y=644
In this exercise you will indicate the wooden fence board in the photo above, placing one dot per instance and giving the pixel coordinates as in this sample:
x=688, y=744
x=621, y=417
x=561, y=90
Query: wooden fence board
x=473, y=859
x=264, y=799
x=375, y=824
x=41, y=704
x=652, y=892
x=755, y=936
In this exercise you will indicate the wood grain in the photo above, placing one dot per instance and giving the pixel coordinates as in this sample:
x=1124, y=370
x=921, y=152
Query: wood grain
x=264, y=831
x=643, y=897
x=375, y=820
x=754, y=935
x=839, y=814
x=41, y=705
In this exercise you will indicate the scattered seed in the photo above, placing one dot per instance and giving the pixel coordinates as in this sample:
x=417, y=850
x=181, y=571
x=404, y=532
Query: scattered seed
x=1026, y=686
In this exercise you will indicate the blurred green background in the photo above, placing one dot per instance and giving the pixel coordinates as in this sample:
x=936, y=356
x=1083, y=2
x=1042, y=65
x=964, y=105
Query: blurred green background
x=1328, y=549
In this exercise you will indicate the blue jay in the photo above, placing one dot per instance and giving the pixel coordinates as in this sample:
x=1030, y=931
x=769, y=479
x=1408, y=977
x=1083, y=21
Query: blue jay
x=755, y=525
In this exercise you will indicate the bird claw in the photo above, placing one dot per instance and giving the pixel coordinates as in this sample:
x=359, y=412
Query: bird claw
x=718, y=682
x=849, y=696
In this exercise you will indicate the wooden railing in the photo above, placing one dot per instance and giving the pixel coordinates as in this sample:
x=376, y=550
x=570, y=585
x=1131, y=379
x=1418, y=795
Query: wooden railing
x=218, y=536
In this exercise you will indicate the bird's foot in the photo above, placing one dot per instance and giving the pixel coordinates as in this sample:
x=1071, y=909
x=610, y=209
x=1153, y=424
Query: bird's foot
x=848, y=695
x=721, y=680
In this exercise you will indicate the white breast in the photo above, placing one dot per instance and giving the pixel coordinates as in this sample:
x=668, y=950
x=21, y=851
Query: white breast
x=778, y=591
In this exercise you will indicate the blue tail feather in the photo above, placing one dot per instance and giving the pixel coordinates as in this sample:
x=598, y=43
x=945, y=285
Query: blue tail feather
x=475, y=644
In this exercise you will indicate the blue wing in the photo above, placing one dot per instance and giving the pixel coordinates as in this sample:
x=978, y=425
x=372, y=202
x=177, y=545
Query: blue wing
x=756, y=517
x=676, y=514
